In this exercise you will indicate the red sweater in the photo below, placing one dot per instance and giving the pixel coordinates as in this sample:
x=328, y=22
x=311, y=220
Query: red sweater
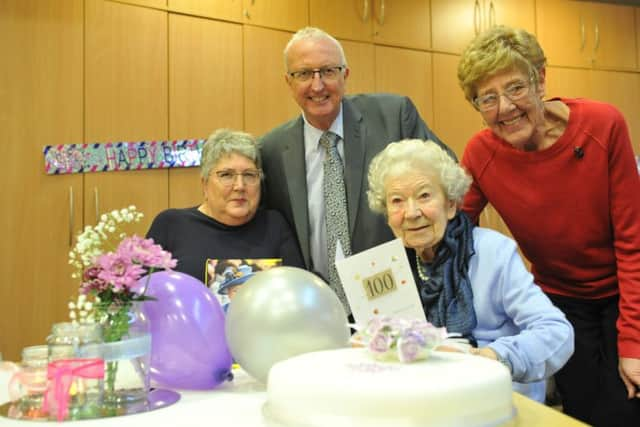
x=575, y=212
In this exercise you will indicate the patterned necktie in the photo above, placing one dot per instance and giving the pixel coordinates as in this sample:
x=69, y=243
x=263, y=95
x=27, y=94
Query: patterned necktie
x=336, y=217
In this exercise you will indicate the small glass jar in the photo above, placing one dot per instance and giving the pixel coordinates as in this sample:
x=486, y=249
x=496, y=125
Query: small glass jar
x=35, y=356
x=28, y=384
x=76, y=360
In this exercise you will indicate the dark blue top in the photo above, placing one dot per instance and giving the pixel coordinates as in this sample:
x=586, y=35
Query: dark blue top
x=193, y=237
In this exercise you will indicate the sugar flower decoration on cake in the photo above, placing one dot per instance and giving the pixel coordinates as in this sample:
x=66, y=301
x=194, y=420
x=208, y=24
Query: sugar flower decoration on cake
x=389, y=338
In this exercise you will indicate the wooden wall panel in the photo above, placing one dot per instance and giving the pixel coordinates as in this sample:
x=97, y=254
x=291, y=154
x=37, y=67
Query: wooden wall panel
x=406, y=72
x=361, y=61
x=205, y=92
x=455, y=120
x=267, y=98
x=41, y=91
x=126, y=99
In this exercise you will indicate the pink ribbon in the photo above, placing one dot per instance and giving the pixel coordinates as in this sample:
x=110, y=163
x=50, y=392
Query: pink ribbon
x=61, y=374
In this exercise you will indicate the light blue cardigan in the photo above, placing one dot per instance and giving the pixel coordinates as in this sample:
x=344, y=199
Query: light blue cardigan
x=515, y=318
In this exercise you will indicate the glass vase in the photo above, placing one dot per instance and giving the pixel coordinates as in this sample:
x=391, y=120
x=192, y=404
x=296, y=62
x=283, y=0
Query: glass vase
x=127, y=354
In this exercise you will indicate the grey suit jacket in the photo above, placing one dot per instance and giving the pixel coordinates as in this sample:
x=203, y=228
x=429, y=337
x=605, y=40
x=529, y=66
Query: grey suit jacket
x=370, y=122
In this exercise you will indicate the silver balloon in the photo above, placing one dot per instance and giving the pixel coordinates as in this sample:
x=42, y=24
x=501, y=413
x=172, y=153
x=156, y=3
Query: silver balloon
x=280, y=313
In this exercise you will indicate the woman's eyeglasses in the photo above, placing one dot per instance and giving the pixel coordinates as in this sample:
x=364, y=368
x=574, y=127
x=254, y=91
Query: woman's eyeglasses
x=514, y=92
x=228, y=176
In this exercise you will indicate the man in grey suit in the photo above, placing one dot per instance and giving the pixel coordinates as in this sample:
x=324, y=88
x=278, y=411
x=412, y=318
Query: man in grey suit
x=293, y=159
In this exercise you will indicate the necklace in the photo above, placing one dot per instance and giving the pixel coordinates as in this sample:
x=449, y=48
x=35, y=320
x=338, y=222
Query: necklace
x=421, y=271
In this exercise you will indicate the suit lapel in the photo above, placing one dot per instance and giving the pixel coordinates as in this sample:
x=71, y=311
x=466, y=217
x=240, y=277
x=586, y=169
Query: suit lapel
x=293, y=163
x=354, y=150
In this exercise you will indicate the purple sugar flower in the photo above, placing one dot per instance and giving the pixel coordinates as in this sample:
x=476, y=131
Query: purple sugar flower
x=410, y=347
x=410, y=339
x=380, y=342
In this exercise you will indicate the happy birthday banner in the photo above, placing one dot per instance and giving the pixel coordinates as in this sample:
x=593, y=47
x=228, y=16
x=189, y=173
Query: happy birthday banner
x=121, y=156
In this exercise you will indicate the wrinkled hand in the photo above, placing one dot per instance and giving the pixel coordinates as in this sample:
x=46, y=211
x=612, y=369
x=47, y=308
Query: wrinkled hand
x=485, y=352
x=455, y=345
x=629, y=370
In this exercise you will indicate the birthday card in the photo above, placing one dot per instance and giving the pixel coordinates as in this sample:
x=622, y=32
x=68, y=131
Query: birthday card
x=379, y=282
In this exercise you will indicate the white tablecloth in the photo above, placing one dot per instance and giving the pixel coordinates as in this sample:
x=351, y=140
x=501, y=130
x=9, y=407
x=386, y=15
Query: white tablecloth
x=236, y=403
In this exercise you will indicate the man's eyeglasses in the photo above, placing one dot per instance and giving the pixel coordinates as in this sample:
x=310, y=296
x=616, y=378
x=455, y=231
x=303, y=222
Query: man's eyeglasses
x=514, y=92
x=326, y=73
x=227, y=177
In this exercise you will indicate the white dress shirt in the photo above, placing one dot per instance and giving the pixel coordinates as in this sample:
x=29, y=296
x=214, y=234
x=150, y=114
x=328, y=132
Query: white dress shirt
x=314, y=155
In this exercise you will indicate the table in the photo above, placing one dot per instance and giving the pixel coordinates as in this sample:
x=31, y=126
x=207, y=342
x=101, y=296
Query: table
x=239, y=403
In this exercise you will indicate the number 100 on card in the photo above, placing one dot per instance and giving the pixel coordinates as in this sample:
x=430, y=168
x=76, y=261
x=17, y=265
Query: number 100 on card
x=380, y=284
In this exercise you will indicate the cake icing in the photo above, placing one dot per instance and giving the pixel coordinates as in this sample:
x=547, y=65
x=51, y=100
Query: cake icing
x=347, y=387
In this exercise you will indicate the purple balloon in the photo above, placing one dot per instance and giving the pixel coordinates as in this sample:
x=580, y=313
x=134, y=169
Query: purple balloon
x=188, y=345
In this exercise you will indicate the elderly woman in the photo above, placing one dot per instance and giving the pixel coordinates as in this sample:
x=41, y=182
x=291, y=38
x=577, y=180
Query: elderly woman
x=228, y=223
x=470, y=280
x=562, y=174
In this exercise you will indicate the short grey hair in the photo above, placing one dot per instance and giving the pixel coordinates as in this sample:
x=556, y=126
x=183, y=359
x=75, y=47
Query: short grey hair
x=224, y=142
x=401, y=157
x=312, y=33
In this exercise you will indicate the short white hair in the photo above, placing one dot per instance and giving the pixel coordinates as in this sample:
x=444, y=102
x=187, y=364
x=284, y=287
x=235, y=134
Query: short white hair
x=400, y=157
x=224, y=142
x=312, y=33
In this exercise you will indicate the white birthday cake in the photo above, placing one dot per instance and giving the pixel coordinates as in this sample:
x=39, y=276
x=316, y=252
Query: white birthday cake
x=347, y=387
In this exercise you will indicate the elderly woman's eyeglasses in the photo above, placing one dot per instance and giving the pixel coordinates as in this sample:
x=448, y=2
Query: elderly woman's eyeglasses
x=326, y=73
x=514, y=92
x=228, y=177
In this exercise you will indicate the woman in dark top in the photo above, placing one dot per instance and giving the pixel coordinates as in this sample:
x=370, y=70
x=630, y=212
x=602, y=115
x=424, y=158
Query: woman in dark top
x=228, y=224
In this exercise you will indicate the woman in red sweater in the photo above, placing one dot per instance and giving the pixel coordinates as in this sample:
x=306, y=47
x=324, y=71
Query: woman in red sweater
x=562, y=174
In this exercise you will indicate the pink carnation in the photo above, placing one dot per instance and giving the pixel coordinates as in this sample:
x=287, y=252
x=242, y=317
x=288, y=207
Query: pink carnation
x=119, y=271
x=145, y=252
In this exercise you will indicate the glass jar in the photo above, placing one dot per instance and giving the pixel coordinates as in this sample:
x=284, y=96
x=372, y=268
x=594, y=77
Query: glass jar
x=75, y=371
x=28, y=384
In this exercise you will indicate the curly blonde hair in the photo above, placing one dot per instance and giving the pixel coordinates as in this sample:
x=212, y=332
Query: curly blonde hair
x=498, y=49
x=400, y=157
